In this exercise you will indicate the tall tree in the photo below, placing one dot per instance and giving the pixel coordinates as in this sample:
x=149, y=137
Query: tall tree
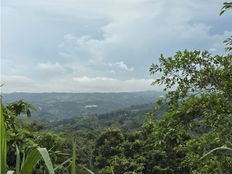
x=199, y=119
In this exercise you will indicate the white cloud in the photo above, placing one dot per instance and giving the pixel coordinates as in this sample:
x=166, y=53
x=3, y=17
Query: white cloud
x=111, y=84
x=16, y=78
x=105, y=84
x=76, y=84
x=14, y=83
x=121, y=65
x=50, y=66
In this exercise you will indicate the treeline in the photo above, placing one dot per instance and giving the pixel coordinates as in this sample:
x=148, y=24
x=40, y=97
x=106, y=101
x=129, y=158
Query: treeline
x=58, y=106
x=126, y=119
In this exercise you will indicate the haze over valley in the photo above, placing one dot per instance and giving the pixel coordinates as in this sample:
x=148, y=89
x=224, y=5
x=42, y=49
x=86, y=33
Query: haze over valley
x=57, y=106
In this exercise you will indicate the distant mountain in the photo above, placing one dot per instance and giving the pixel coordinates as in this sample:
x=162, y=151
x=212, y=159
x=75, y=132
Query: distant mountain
x=127, y=119
x=58, y=106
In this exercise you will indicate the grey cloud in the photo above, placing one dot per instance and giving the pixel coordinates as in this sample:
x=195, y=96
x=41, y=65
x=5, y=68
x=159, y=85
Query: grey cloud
x=84, y=36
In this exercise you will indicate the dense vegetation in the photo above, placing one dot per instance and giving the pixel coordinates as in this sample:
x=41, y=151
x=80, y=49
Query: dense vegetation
x=194, y=135
x=127, y=119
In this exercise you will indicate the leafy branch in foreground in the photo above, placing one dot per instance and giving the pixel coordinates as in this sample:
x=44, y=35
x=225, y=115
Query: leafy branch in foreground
x=3, y=143
x=34, y=157
x=215, y=149
x=199, y=118
x=226, y=6
x=192, y=73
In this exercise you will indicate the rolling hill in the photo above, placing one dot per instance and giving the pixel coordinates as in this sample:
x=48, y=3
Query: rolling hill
x=126, y=119
x=58, y=106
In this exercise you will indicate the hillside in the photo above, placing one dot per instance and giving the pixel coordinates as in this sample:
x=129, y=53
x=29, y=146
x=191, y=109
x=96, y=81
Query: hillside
x=126, y=119
x=58, y=106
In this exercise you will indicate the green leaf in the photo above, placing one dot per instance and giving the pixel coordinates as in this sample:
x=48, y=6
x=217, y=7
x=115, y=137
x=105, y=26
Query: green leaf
x=23, y=160
x=112, y=171
x=3, y=141
x=33, y=158
x=215, y=149
x=62, y=164
x=17, y=160
x=226, y=6
x=220, y=171
x=88, y=170
x=73, y=170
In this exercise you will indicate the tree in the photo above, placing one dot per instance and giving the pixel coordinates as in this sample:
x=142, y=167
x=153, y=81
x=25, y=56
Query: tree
x=107, y=146
x=226, y=6
x=199, y=119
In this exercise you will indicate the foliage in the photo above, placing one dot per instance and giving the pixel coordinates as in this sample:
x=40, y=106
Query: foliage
x=199, y=89
x=32, y=159
x=3, y=148
x=226, y=6
x=127, y=119
x=34, y=155
x=228, y=43
x=74, y=158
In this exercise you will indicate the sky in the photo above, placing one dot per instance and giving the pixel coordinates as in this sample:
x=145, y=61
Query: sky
x=101, y=45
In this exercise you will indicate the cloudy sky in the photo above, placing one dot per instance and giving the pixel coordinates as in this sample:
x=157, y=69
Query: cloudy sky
x=101, y=45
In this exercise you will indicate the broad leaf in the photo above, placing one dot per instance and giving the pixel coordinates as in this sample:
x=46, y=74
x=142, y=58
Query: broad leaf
x=33, y=158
